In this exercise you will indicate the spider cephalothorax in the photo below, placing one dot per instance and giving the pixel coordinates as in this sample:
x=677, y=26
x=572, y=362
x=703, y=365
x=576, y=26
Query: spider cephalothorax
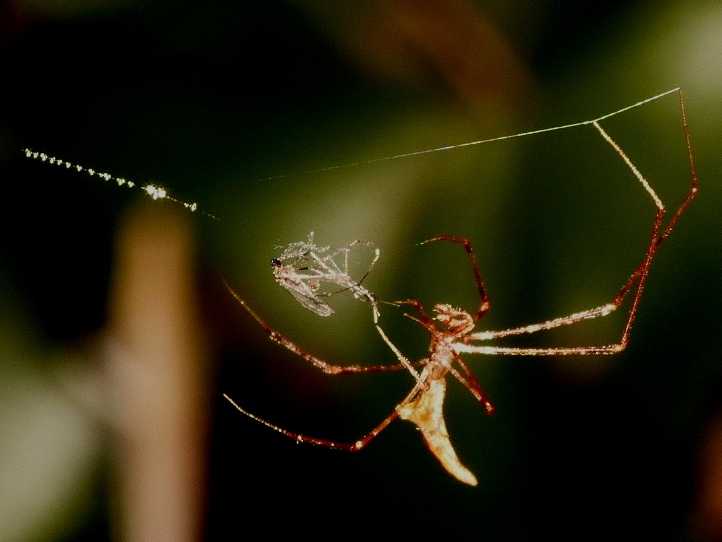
x=458, y=322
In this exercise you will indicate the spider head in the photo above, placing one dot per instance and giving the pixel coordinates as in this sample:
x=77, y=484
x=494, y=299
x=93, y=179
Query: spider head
x=458, y=322
x=275, y=262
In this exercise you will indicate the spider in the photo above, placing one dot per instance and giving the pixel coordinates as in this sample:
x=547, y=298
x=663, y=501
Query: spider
x=452, y=333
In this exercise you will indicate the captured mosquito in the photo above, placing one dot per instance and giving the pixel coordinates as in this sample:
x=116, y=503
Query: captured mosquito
x=452, y=330
x=308, y=271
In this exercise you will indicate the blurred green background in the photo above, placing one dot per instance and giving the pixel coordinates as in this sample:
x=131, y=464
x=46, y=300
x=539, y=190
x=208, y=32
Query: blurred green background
x=211, y=99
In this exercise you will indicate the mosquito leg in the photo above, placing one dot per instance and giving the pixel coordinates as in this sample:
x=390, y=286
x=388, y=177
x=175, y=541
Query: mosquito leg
x=472, y=384
x=325, y=266
x=354, y=286
x=300, y=438
x=377, y=255
x=317, y=362
x=484, y=304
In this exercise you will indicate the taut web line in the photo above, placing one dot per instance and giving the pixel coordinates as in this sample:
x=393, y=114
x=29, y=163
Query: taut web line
x=157, y=192
x=349, y=165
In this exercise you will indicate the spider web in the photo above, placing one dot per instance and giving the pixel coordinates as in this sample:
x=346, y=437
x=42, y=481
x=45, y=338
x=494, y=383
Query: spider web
x=160, y=193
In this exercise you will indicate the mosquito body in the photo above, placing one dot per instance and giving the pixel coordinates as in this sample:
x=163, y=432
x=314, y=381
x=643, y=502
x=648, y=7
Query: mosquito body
x=306, y=270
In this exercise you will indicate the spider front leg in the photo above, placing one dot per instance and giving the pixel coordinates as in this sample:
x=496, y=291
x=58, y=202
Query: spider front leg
x=326, y=367
x=577, y=317
x=638, y=276
x=484, y=304
x=588, y=314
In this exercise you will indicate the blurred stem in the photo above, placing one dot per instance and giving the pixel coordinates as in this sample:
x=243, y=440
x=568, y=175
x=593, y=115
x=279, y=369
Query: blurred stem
x=157, y=371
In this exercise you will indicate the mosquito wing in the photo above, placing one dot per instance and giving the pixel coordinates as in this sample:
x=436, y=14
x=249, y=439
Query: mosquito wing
x=311, y=302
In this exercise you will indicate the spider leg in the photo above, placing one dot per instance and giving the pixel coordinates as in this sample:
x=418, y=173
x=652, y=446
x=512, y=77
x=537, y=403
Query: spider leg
x=300, y=438
x=584, y=350
x=694, y=179
x=589, y=314
x=472, y=384
x=403, y=360
x=423, y=318
x=639, y=275
x=326, y=367
x=484, y=304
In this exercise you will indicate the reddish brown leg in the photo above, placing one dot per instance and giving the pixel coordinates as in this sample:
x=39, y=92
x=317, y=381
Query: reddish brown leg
x=472, y=384
x=586, y=350
x=694, y=179
x=691, y=194
x=484, y=304
x=326, y=367
x=422, y=317
x=300, y=438
x=589, y=314
x=639, y=275
x=658, y=238
x=643, y=273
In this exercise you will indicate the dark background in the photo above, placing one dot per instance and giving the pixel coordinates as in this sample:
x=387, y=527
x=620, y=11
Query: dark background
x=210, y=98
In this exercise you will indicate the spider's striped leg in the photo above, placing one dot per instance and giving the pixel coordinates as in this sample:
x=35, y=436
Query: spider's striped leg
x=300, y=438
x=484, y=303
x=326, y=367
